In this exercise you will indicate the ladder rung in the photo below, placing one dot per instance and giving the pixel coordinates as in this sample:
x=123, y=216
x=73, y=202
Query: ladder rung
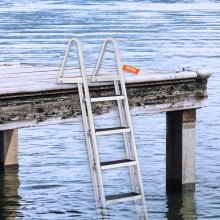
x=117, y=163
x=108, y=98
x=122, y=197
x=70, y=80
x=106, y=131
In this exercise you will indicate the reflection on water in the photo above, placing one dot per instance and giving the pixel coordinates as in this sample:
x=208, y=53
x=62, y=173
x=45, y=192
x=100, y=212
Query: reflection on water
x=9, y=199
x=181, y=206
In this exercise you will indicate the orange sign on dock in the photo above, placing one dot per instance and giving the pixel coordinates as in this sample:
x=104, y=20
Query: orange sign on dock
x=131, y=69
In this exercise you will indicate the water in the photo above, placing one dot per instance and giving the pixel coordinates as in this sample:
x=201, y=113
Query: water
x=53, y=180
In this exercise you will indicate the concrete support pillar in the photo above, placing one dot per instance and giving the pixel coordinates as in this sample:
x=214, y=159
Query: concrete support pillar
x=180, y=150
x=8, y=149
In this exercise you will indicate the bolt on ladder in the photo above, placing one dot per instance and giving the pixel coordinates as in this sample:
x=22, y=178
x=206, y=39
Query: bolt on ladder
x=91, y=133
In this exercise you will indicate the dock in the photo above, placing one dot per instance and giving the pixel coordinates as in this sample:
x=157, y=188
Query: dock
x=30, y=96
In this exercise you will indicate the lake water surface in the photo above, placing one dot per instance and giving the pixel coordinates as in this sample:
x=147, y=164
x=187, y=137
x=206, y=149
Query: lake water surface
x=53, y=180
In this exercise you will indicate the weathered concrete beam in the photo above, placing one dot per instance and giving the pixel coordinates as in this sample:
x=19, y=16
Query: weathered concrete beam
x=8, y=149
x=180, y=150
x=56, y=106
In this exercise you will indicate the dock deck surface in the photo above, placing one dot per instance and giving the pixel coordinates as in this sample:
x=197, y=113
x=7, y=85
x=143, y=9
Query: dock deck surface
x=26, y=78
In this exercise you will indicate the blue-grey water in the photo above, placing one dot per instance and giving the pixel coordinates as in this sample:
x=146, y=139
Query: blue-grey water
x=53, y=180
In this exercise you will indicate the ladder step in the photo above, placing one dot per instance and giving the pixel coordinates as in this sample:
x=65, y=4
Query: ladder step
x=108, y=98
x=117, y=163
x=123, y=197
x=107, y=131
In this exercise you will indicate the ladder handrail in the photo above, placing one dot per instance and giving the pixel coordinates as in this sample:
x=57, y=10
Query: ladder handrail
x=101, y=54
x=66, y=56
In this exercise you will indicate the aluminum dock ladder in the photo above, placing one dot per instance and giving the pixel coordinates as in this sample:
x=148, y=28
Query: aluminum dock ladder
x=136, y=193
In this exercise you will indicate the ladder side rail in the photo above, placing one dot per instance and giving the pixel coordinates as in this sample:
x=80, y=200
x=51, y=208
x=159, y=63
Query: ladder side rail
x=134, y=150
x=92, y=129
x=125, y=135
x=122, y=116
x=127, y=111
x=89, y=150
